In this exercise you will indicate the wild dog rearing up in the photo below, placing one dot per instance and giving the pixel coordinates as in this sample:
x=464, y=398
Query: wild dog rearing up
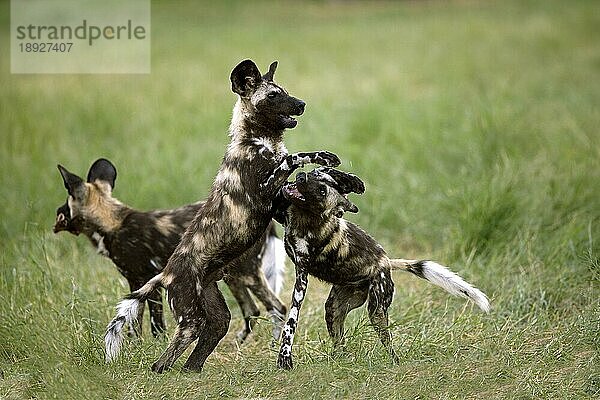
x=238, y=210
x=140, y=243
x=321, y=243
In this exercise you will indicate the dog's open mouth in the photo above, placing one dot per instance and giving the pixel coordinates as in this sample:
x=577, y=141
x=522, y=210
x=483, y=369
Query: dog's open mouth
x=290, y=191
x=288, y=121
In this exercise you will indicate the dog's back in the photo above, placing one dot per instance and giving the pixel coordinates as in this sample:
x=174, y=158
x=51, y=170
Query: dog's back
x=146, y=239
x=339, y=251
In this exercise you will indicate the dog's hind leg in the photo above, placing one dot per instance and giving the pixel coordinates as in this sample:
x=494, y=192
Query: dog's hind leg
x=342, y=300
x=185, y=334
x=190, y=312
x=381, y=292
x=157, y=319
x=217, y=324
x=247, y=304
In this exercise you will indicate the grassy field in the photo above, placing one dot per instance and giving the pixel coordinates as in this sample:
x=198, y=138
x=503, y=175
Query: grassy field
x=474, y=124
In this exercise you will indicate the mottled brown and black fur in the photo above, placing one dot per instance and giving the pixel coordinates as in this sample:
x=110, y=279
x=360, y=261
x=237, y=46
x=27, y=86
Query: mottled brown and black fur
x=237, y=212
x=140, y=243
x=321, y=243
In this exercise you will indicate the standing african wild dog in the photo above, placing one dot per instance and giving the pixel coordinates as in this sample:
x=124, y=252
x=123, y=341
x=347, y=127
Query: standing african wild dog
x=238, y=210
x=140, y=243
x=321, y=243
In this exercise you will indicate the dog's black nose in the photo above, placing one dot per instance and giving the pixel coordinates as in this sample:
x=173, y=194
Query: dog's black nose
x=301, y=177
x=301, y=106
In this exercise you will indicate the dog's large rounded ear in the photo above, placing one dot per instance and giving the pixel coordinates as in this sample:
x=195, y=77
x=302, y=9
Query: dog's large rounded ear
x=343, y=206
x=269, y=75
x=103, y=170
x=343, y=182
x=245, y=78
x=73, y=183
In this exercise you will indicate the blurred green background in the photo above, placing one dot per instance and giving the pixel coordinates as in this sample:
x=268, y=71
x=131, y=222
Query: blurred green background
x=475, y=125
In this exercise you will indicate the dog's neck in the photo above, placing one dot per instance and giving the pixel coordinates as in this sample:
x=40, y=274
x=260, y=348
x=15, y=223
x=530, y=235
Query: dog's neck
x=101, y=230
x=309, y=224
x=106, y=217
x=243, y=126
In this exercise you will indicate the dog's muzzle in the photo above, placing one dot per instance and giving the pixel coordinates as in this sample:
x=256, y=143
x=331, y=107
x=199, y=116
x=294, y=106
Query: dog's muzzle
x=61, y=224
x=288, y=121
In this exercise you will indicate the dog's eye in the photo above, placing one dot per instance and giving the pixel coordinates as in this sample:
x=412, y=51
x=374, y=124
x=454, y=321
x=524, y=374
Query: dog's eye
x=272, y=95
x=323, y=190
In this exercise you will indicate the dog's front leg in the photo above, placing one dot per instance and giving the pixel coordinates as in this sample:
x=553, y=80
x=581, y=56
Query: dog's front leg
x=297, y=160
x=285, y=352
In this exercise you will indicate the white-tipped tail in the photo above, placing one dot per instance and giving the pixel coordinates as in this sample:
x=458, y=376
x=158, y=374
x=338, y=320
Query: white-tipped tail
x=273, y=263
x=454, y=284
x=444, y=278
x=127, y=312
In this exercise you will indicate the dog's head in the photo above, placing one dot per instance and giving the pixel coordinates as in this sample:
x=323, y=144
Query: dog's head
x=323, y=192
x=89, y=204
x=266, y=103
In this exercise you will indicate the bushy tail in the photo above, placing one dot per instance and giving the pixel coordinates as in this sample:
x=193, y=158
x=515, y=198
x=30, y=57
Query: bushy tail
x=273, y=261
x=444, y=278
x=127, y=312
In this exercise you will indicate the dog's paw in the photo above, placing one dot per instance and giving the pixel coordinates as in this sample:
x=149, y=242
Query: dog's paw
x=158, y=367
x=285, y=362
x=327, y=159
x=191, y=369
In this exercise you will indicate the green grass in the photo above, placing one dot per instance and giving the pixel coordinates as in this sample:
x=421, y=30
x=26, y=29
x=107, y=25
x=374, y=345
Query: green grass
x=474, y=125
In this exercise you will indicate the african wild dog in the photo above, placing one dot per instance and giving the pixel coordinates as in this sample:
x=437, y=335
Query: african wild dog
x=238, y=209
x=321, y=243
x=140, y=243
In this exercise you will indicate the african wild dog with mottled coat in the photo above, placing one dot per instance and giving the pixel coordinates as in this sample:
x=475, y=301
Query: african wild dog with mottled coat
x=323, y=244
x=238, y=210
x=140, y=243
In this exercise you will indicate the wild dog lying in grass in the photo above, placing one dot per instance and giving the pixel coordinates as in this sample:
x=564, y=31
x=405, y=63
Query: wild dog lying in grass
x=140, y=243
x=237, y=212
x=321, y=243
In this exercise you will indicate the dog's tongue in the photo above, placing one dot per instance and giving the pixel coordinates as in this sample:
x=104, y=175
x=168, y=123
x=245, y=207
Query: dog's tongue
x=292, y=191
